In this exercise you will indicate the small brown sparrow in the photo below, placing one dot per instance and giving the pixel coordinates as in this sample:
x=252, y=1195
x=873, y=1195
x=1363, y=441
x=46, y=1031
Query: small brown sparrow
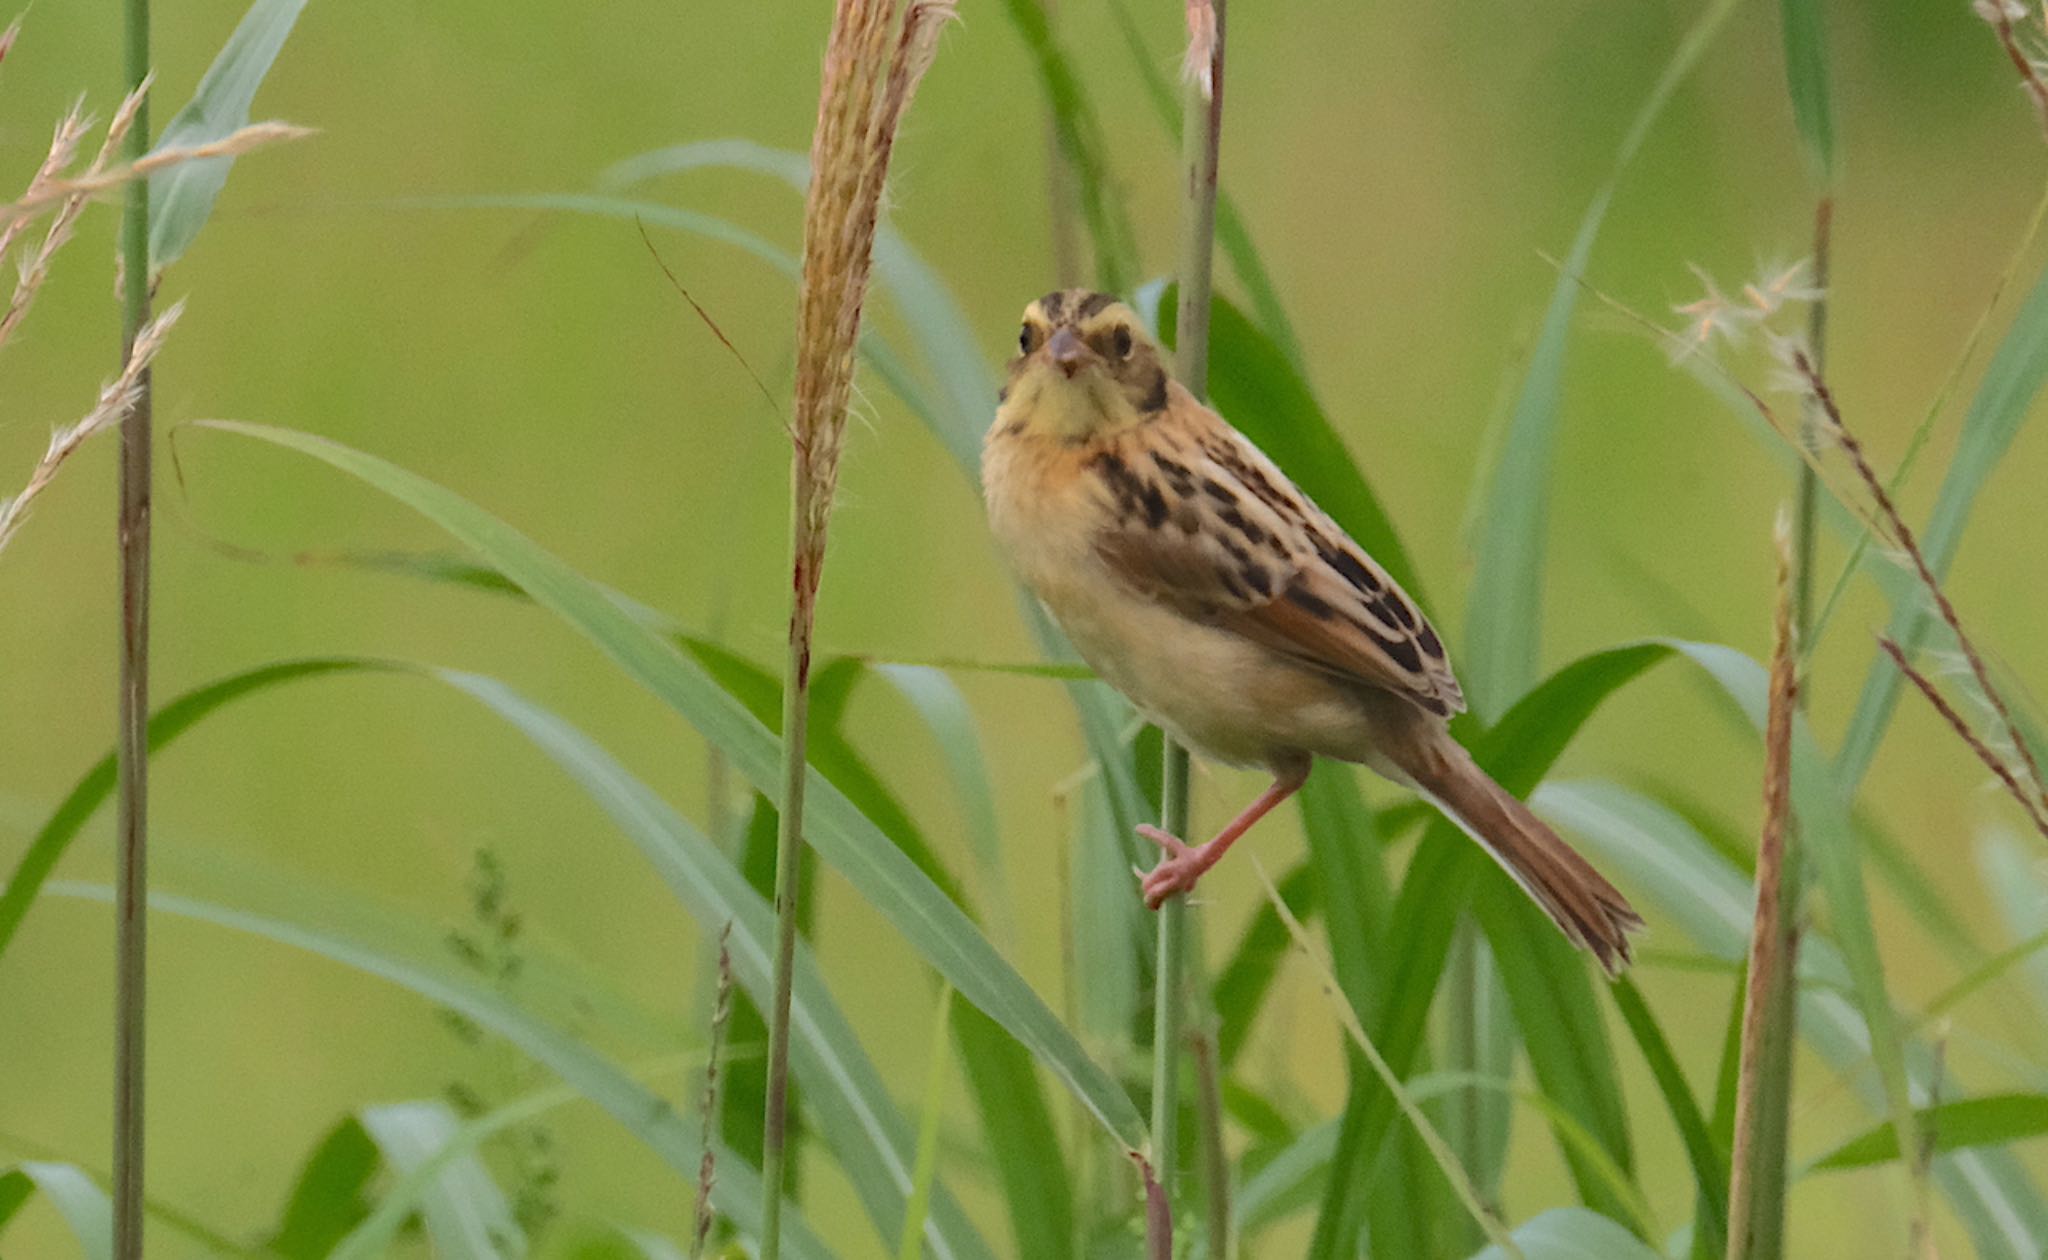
x=1196, y=579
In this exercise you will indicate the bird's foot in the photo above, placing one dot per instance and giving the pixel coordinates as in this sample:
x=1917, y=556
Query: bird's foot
x=1176, y=872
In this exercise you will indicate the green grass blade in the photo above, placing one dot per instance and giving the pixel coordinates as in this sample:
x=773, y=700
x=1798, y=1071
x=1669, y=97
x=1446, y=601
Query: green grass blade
x=944, y=710
x=2013, y=378
x=1505, y=614
x=1016, y=1123
x=1806, y=82
x=181, y=196
x=1254, y=385
x=2011, y=875
x=1562, y=1033
x=1517, y=752
x=77, y=1198
x=1827, y=833
x=640, y=1111
x=890, y=882
x=1677, y=870
x=169, y=722
x=331, y=1196
x=1990, y=1121
x=1708, y=1162
x=925, y=1171
x=1573, y=1234
x=1080, y=138
x=463, y=1209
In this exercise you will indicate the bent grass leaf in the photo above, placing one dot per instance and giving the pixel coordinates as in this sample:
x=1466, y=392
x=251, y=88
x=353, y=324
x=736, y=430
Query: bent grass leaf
x=77, y=1198
x=1990, y=1121
x=928, y=920
x=641, y=1112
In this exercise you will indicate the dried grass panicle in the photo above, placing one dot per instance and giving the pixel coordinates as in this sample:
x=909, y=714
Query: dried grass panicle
x=1961, y=726
x=872, y=67
x=1902, y=534
x=116, y=396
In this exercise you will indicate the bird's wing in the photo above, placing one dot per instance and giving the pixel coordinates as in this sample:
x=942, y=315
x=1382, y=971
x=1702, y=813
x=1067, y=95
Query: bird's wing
x=1202, y=521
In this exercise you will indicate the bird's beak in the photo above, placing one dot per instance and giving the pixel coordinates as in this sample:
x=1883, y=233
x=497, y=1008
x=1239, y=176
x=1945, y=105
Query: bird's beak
x=1067, y=351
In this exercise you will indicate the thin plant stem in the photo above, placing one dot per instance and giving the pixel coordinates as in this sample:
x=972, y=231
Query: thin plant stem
x=1060, y=193
x=132, y=827
x=1807, y=511
x=1215, y=1161
x=1200, y=135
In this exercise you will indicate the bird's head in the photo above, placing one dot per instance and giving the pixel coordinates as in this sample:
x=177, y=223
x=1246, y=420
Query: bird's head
x=1084, y=366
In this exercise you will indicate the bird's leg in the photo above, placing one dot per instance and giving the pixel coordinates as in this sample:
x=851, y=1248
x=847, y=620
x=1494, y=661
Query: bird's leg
x=1184, y=864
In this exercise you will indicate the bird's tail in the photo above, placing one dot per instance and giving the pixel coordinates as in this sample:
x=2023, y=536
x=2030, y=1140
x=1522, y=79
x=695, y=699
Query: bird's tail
x=1586, y=908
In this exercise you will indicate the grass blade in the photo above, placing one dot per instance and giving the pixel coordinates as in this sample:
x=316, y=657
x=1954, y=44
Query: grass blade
x=1517, y=752
x=1080, y=138
x=181, y=197
x=463, y=1209
x=1679, y=871
x=1572, y=1234
x=1505, y=615
x=926, y=1169
x=80, y=1201
x=1708, y=1162
x=1990, y=1121
x=1806, y=82
x=640, y=1111
x=926, y=917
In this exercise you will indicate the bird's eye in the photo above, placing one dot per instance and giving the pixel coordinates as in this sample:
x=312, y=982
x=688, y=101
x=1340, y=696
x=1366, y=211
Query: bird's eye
x=1027, y=339
x=1121, y=340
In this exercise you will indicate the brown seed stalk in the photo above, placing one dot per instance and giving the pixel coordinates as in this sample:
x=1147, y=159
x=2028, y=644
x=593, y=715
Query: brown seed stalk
x=1992, y=761
x=1903, y=535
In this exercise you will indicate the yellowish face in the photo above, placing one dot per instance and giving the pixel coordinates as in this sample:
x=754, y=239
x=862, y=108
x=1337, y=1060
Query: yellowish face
x=1084, y=366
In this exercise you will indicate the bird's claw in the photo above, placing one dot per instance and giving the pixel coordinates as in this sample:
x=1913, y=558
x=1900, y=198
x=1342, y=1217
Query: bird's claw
x=1176, y=873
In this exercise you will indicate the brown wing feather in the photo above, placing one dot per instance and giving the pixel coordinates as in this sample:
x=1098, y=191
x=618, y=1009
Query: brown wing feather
x=1204, y=522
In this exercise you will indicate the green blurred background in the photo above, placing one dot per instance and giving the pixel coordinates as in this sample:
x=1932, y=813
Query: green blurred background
x=1402, y=167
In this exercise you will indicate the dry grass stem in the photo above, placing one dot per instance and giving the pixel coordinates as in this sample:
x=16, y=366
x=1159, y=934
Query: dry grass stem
x=116, y=397
x=2002, y=15
x=1773, y=937
x=1992, y=761
x=1903, y=535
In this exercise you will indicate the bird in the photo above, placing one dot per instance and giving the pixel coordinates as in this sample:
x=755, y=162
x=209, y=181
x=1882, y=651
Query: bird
x=1193, y=576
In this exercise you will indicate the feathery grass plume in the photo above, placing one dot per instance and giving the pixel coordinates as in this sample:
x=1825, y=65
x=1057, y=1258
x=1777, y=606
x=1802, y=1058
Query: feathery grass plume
x=873, y=62
x=1961, y=726
x=707, y=1170
x=2001, y=16
x=116, y=396
x=102, y=178
x=1756, y=1187
x=1902, y=534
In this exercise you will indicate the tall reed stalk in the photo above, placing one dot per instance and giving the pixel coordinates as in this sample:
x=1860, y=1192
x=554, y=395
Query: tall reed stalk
x=132, y=878
x=873, y=62
x=1200, y=135
x=1757, y=1169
